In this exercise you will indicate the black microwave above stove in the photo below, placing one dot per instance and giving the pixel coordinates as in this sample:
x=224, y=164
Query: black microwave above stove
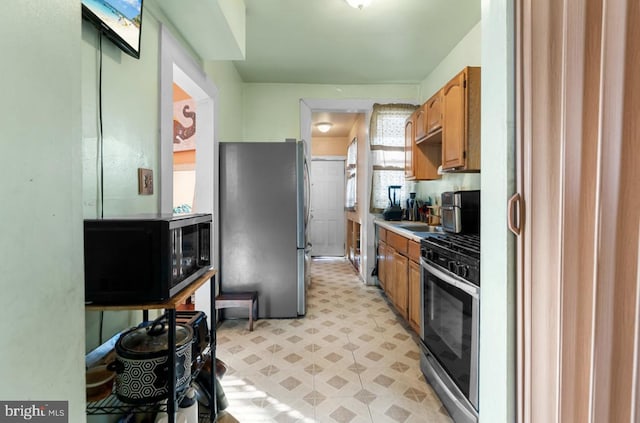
x=144, y=258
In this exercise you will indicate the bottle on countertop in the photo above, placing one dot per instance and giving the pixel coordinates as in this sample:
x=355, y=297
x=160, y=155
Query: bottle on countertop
x=411, y=206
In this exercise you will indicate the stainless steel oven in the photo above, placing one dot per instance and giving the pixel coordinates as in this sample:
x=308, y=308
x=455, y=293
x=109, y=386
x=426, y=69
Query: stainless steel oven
x=449, y=328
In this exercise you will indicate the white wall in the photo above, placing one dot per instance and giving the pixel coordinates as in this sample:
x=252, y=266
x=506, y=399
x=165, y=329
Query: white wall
x=42, y=300
x=497, y=304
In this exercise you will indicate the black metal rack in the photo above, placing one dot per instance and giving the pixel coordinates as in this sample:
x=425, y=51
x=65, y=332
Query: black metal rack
x=112, y=405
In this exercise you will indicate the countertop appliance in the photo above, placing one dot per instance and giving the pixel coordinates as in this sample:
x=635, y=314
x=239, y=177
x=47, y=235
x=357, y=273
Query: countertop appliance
x=461, y=211
x=449, y=330
x=394, y=211
x=264, y=211
x=144, y=258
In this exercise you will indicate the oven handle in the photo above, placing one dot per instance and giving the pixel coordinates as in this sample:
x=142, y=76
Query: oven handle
x=451, y=279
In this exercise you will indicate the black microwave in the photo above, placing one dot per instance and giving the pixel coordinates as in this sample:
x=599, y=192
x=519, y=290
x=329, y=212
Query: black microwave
x=141, y=259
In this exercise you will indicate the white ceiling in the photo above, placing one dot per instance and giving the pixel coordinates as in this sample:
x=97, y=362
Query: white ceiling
x=328, y=42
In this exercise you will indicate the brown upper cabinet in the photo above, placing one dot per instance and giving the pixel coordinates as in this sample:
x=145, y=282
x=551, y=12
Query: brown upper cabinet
x=420, y=122
x=461, y=122
x=421, y=159
x=433, y=121
x=408, y=146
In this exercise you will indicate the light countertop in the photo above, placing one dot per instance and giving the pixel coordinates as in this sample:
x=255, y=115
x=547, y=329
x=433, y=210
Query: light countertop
x=415, y=231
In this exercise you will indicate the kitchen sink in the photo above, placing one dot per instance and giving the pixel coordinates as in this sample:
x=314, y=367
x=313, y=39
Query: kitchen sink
x=421, y=228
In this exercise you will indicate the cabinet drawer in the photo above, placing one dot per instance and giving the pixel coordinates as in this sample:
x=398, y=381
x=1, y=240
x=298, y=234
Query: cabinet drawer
x=414, y=251
x=398, y=242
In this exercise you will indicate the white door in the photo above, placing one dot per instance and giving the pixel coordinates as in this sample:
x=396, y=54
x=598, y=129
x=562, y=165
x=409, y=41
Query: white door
x=327, y=208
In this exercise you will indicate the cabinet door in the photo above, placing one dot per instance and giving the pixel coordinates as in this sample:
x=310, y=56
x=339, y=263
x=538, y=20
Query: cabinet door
x=414, y=296
x=420, y=124
x=453, y=114
x=382, y=264
x=390, y=283
x=401, y=282
x=433, y=108
x=408, y=147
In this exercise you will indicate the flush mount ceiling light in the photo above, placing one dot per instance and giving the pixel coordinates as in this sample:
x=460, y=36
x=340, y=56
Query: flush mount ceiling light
x=358, y=4
x=324, y=126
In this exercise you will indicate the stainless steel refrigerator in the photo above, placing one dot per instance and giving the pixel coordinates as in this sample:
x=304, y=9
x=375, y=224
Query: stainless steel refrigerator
x=264, y=197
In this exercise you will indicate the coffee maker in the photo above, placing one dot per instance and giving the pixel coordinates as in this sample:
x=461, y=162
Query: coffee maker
x=394, y=211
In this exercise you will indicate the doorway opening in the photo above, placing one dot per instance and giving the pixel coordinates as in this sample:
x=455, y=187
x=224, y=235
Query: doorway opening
x=328, y=220
x=308, y=107
x=188, y=173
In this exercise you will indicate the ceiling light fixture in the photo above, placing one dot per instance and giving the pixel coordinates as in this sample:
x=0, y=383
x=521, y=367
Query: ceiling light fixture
x=324, y=126
x=358, y=4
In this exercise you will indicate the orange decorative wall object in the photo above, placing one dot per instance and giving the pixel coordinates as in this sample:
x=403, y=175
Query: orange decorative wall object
x=184, y=120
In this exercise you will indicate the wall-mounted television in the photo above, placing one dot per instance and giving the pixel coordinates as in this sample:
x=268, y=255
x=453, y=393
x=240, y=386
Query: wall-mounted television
x=119, y=20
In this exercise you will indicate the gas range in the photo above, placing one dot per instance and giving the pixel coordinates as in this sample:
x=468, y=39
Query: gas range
x=455, y=253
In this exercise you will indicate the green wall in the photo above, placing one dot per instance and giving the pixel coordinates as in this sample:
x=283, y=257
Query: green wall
x=272, y=111
x=130, y=98
x=497, y=310
x=130, y=107
x=42, y=300
x=130, y=124
x=229, y=101
x=466, y=53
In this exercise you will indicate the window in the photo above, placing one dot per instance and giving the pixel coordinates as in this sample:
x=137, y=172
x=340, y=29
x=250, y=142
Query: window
x=386, y=133
x=350, y=177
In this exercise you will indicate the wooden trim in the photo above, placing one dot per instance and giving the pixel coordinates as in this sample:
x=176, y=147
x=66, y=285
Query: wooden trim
x=523, y=294
x=473, y=118
x=579, y=256
x=173, y=302
x=579, y=96
x=618, y=270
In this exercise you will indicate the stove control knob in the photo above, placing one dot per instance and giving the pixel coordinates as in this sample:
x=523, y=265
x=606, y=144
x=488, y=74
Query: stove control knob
x=429, y=255
x=462, y=270
x=452, y=266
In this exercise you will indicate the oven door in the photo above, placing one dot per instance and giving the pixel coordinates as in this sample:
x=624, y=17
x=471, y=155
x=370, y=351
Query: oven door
x=449, y=326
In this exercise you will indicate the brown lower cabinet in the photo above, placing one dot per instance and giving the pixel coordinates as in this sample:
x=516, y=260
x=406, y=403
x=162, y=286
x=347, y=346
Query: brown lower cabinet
x=399, y=274
x=382, y=264
x=414, y=295
x=390, y=284
x=401, y=283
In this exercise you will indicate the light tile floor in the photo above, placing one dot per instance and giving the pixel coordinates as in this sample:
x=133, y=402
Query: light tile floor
x=351, y=359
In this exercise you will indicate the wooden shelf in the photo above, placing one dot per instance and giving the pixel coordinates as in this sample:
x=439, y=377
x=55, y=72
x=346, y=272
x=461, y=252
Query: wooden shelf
x=111, y=405
x=172, y=302
x=353, y=243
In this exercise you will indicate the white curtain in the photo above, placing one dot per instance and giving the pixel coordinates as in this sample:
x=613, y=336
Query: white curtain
x=350, y=165
x=386, y=134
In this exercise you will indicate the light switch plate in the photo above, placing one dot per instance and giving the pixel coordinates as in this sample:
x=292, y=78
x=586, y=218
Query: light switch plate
x=145, y=181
